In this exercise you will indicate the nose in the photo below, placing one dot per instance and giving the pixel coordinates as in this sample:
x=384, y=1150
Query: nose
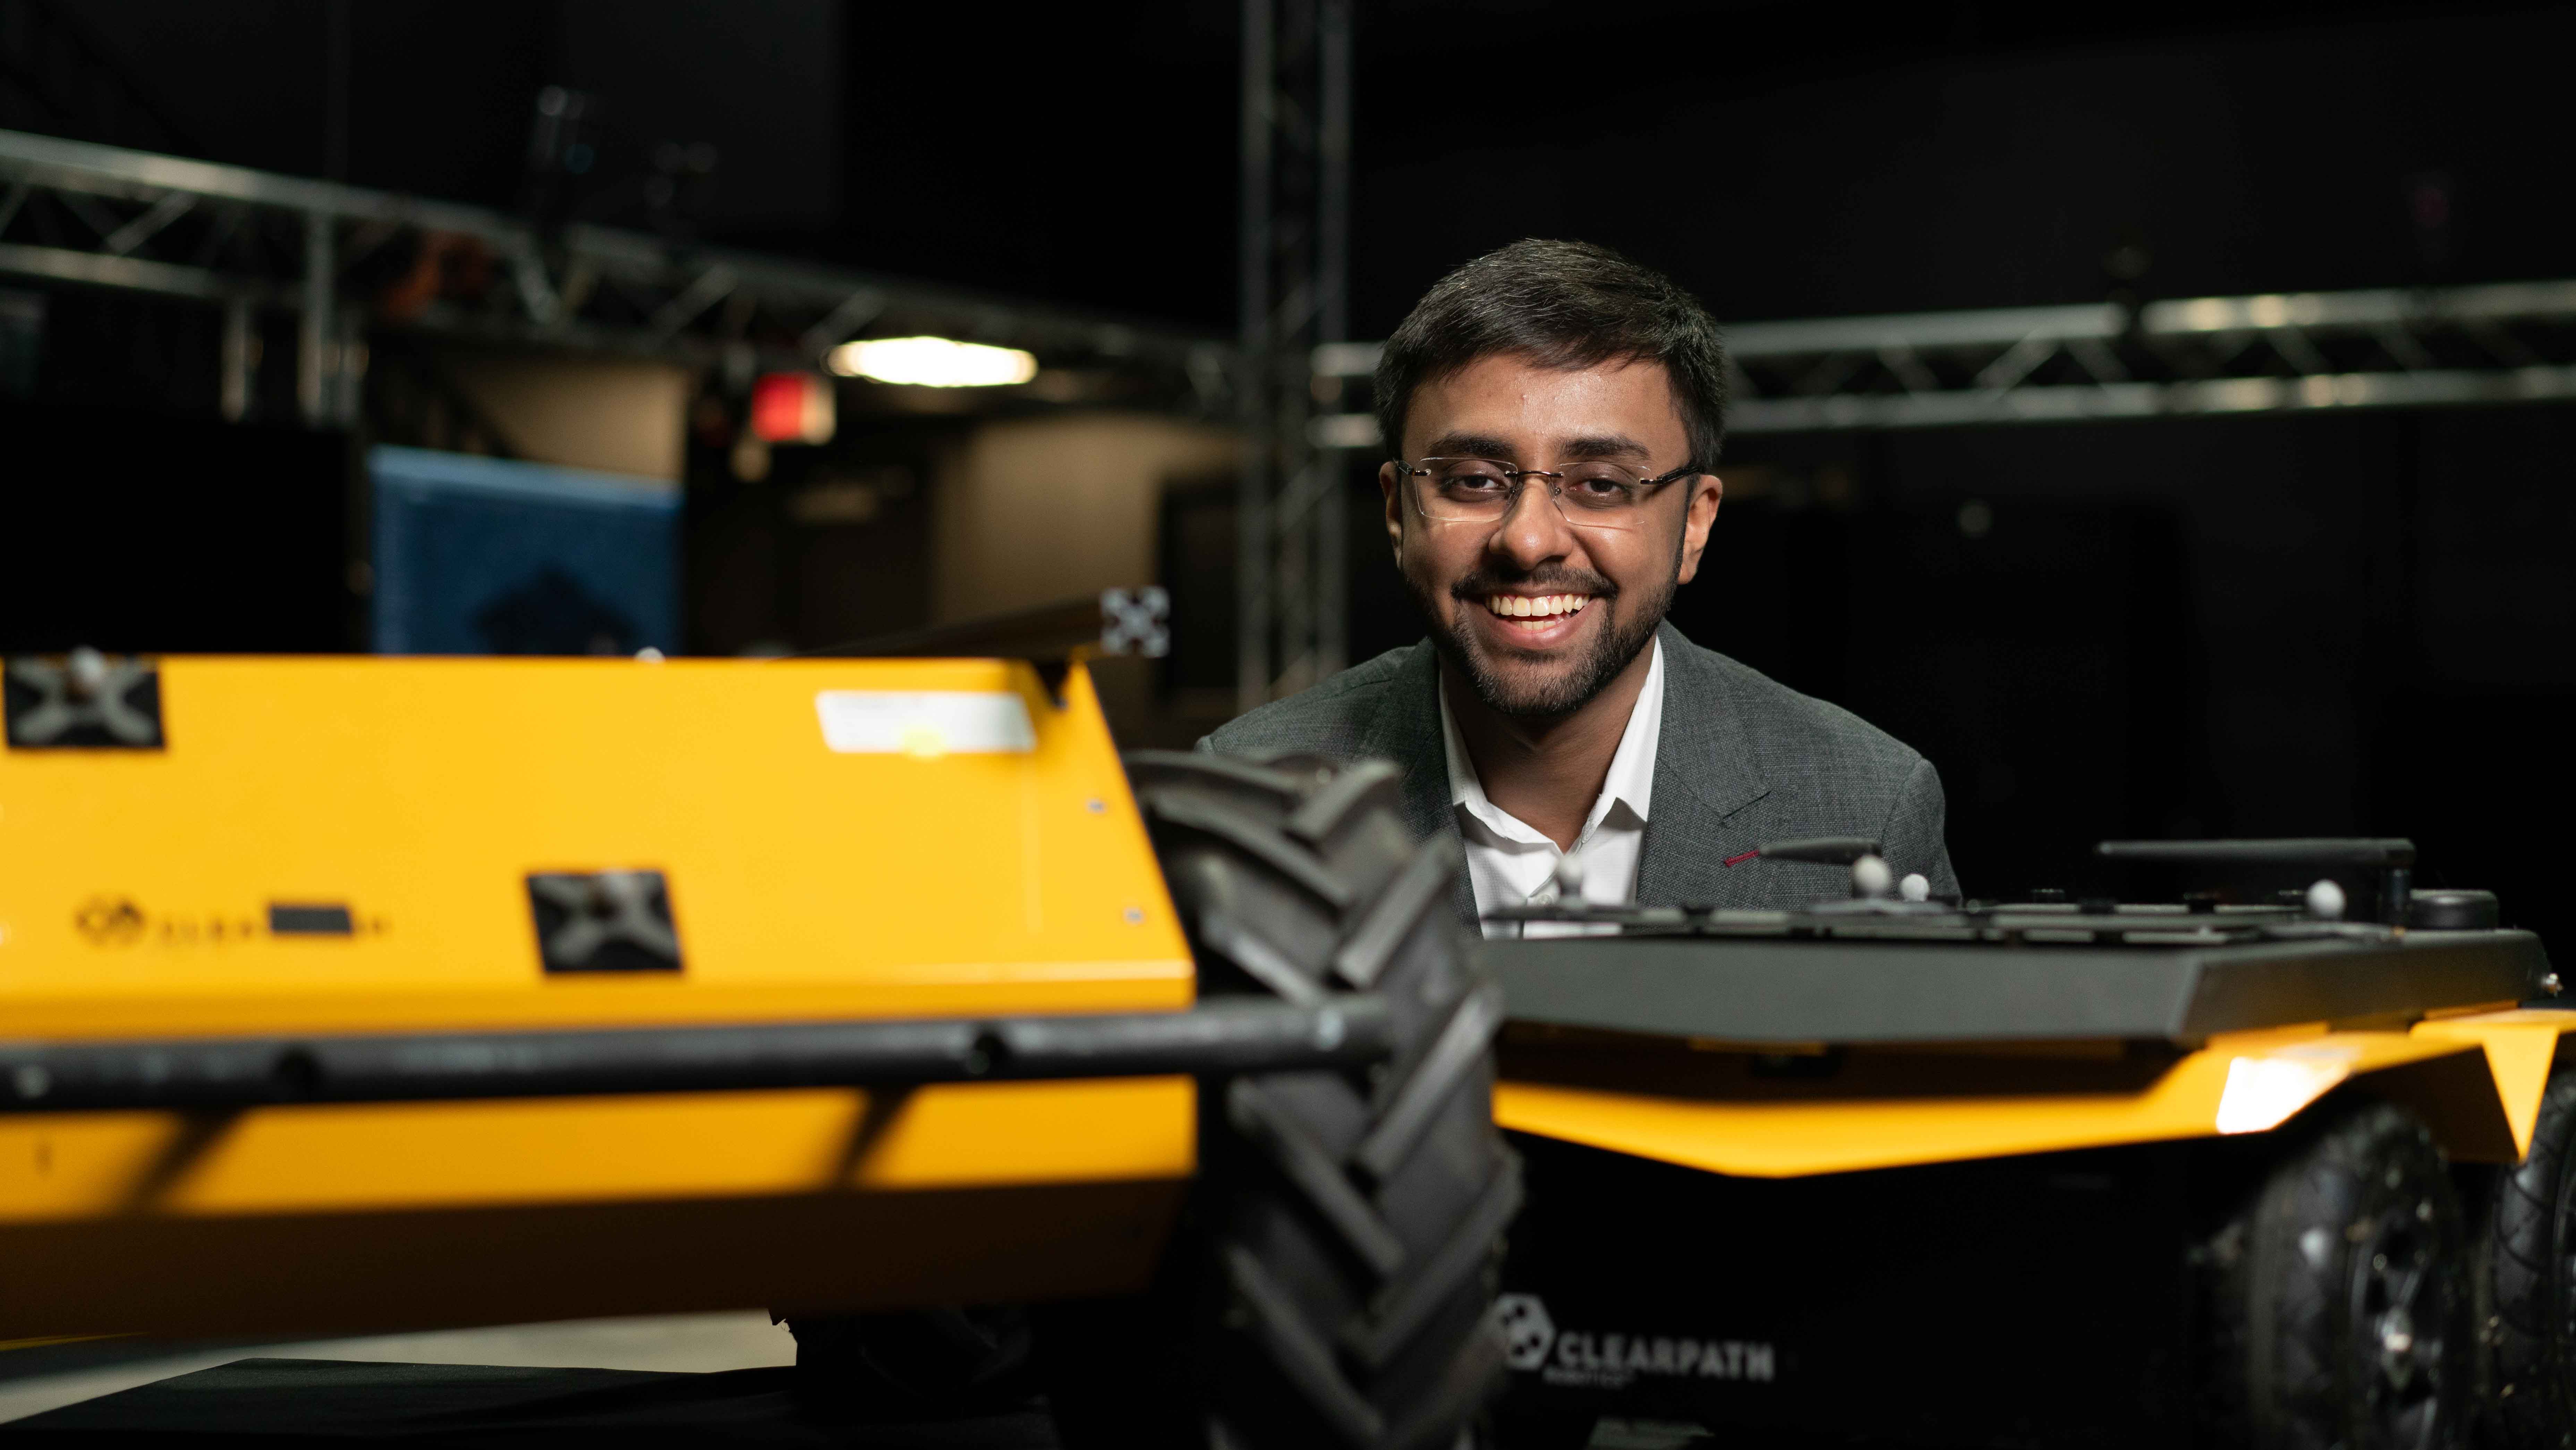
x=1535, y=531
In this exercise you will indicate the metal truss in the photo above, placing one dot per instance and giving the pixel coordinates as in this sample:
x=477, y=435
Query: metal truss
x=346, y=259
x=1292, y=515
x=2277, y=352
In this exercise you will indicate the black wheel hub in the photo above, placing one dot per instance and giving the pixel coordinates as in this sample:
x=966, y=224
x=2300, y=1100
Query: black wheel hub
x=2401, y=1307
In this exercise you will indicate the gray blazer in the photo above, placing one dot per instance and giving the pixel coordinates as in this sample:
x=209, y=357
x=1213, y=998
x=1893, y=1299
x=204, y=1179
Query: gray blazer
x=1742, y=760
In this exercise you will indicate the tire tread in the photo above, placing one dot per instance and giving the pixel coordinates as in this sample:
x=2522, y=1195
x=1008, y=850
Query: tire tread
x=1349, y=1224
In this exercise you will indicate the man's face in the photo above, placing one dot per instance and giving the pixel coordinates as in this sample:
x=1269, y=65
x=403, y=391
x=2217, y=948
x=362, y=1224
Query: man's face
x=1539, y=613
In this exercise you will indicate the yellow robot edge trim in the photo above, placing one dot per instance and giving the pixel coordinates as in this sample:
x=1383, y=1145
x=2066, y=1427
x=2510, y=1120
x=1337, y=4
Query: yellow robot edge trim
x=2476, y=1081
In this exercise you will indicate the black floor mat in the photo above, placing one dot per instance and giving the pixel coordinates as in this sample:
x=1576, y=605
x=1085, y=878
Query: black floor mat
x=312, y=1402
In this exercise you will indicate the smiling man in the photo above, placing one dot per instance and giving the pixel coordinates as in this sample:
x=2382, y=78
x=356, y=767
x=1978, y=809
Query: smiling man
x=1555, y=411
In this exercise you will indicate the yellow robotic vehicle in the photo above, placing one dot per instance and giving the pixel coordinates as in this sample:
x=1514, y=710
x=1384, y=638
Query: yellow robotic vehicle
x=2287, y=1170
x=346, y=994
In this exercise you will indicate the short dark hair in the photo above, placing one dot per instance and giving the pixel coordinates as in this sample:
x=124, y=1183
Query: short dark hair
x=1564, y=305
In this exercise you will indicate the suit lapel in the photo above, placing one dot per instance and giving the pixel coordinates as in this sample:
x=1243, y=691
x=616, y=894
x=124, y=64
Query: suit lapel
x=1705, y=786
x=1406, y=730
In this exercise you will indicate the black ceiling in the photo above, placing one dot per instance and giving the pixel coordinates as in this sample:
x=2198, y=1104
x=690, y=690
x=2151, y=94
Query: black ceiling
x=1785, y=159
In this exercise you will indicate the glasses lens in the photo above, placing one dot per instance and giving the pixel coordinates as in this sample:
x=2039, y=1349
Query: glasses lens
x=1464, y=488
x=1602, y=488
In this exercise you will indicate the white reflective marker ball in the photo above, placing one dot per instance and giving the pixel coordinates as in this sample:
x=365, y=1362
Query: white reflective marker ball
x=1915, y=887
x=2325, y=901
x=1870, y=877
x=88, y=670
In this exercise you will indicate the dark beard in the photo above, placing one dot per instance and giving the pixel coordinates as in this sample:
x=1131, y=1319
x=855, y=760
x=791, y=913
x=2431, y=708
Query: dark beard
x=1621, y=639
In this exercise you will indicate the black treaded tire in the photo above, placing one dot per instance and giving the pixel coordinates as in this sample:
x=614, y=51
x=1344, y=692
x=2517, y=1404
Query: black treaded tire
x=1334, y=1282
x=2341, y=1312
x=2526, y=1253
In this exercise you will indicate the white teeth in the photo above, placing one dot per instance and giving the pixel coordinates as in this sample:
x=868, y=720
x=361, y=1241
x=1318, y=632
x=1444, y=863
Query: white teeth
x=1521, y=606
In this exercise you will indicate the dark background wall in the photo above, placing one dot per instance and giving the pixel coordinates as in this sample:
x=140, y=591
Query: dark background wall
x=1783, y=159
x=1797, y=160
x=436, y=98
x=2254, y=626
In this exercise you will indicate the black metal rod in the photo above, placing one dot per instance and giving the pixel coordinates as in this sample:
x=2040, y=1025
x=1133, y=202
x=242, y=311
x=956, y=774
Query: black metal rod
x=1211, y=1039
x=2296, y=851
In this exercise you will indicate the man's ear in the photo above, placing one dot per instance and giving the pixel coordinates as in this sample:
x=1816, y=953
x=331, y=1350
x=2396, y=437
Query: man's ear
x=1707, y=491
x=1390, y=487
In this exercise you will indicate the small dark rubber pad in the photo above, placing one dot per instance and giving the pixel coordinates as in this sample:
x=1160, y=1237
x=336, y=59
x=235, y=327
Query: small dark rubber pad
x=604, y=921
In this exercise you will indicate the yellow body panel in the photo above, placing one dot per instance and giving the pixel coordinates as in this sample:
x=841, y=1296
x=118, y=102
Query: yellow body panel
x=2477, y=1079
x=317, y=1158
x=546, y=1208
x=805, y=882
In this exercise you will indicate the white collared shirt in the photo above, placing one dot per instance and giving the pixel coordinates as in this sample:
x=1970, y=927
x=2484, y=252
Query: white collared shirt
x=1508, y=862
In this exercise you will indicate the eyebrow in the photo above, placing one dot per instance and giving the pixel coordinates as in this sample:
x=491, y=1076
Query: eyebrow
x=1480, y=445
x=1469, y=445
x=1607, y=445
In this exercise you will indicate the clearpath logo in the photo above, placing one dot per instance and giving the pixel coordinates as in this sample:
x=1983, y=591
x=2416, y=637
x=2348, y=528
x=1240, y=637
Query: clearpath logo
x=1532, y=1343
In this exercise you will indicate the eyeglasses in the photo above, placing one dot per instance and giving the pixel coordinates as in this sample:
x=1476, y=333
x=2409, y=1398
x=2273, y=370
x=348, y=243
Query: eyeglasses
x=1592, y=495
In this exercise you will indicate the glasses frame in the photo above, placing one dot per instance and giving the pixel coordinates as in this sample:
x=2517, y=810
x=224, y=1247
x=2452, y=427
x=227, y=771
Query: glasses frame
x=1520, y=477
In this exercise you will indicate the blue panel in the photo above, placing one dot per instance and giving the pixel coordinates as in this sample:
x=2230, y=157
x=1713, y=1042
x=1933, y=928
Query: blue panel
x=484, y=556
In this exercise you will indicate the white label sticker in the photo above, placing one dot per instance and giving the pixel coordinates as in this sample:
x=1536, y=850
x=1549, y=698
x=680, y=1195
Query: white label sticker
x=925, y=722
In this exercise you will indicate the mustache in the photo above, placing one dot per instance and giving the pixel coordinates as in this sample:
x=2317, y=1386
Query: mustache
x=1479, y=582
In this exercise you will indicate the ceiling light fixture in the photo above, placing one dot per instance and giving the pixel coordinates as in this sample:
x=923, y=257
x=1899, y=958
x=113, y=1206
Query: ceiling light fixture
x=933, y=362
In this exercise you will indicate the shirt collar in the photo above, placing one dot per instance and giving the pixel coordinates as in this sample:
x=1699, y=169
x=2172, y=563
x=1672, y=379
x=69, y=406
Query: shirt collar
x=1630, y=784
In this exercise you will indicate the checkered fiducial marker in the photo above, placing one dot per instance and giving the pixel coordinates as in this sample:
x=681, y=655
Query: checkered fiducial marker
x=1136, y=621
x=81, y=700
